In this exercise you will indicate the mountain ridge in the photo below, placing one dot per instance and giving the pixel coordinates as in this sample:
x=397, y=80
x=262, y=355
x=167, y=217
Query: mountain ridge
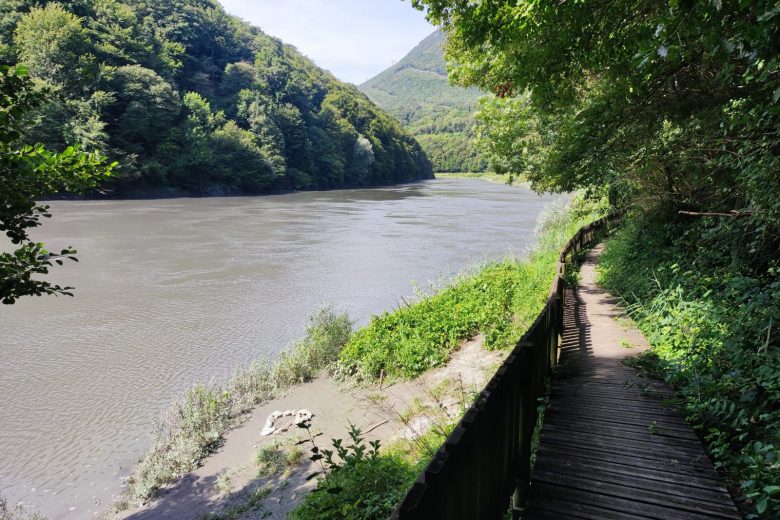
x=440, y=116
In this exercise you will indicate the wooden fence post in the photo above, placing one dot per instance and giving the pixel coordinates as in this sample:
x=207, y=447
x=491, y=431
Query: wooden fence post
x=527, y=422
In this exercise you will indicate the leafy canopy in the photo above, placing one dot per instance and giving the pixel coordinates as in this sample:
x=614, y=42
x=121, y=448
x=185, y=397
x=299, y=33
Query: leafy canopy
x=668, y=105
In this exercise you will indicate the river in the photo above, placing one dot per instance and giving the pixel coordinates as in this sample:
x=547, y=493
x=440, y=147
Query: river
x=173, y=291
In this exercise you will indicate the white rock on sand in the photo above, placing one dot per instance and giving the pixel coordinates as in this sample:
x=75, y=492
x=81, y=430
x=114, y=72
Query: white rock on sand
x=300, y=416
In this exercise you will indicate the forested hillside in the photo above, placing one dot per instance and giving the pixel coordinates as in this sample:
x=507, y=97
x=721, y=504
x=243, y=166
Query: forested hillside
x=189, y=99
x=441, y=116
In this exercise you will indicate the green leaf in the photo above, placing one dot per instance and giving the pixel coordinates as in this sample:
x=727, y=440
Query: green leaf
x=771, y=490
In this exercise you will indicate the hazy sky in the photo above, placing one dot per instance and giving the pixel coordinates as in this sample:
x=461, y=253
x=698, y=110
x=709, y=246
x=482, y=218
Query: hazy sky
x=354, y=39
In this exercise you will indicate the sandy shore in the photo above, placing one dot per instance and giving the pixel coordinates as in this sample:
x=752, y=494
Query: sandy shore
x=225, y=480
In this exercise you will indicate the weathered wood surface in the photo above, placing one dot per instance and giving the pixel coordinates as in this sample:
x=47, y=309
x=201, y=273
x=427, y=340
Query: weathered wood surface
x=613, y=446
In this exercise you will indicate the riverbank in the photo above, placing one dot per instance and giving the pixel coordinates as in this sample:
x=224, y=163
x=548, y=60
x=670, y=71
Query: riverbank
x=498, y=300
x=248, y=465
x=157, y=193
x=173, y=291
x=487, y=176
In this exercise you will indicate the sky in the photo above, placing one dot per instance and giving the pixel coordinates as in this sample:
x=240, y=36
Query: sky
x=353, y=39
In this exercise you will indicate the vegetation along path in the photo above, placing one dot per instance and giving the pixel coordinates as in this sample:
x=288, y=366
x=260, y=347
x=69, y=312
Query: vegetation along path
x=612, y=445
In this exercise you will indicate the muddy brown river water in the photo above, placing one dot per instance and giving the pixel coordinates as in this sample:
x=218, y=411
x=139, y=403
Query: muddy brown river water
x=173, y=291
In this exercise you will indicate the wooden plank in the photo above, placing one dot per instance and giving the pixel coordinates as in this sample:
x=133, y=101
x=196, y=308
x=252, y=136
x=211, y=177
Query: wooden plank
x=628, y=422
x=682, y=471
x=631, y=380
x=636, y=402
x=613, y=409
x=680, y=462
x=618, y=467
x=648, y=430
x=624, y=391
x=658, y=495
x=651, y=448
x=553, y=496
x=539, y=506
x=601, y=434
x=645, y=480
x=671, y=422
x=548, y=514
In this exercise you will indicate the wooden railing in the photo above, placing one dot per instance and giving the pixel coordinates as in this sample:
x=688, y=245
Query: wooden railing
x=486, y=461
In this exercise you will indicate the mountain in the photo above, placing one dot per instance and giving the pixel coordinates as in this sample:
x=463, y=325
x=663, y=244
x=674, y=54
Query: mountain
x=189, y=99
x=415, y=90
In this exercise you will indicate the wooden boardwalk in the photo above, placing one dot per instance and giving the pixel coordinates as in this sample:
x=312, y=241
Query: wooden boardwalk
x=612, y=446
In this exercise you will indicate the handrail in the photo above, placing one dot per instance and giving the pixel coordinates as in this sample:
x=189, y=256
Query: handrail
x=486, y=460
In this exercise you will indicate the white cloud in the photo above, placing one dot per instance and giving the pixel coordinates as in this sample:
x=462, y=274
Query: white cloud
x=354, y=39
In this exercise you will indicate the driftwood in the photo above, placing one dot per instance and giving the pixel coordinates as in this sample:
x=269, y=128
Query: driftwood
x=377, y=425
x=733, y=213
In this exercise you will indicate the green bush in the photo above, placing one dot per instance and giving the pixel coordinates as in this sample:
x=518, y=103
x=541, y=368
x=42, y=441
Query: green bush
x=357, y=483
x=712, y=321
x=369, y=490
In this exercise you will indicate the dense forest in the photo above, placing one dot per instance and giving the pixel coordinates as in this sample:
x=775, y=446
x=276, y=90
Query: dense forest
x=188, y=99
x=671, y=110
x=441, y=116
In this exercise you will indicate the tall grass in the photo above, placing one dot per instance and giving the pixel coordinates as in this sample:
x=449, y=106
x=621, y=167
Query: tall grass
x=501, y=299
x=194, y=425
x=18, y=512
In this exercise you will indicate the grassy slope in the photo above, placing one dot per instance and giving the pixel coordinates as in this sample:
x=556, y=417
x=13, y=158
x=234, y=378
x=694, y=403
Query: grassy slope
x=416, y=91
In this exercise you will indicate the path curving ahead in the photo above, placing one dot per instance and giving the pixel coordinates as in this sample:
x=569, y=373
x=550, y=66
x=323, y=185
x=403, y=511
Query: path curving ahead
x=612, y=446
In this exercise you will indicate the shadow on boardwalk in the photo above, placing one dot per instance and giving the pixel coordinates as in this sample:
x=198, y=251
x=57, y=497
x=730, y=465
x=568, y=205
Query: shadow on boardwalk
x=613, y=446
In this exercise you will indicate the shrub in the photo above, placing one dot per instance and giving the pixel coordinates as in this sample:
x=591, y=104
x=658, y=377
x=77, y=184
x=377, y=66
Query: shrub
x=358, y=483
